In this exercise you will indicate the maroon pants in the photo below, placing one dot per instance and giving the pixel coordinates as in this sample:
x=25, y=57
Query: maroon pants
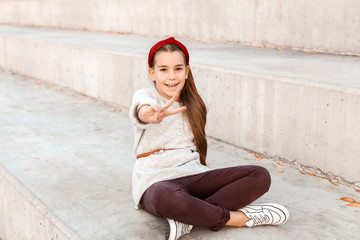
x=205, y=199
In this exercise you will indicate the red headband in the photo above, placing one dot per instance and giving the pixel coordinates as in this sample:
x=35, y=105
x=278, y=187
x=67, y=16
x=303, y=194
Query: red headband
x=162, y=43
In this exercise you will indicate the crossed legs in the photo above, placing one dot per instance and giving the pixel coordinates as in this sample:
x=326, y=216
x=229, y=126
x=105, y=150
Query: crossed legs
x=209, y=199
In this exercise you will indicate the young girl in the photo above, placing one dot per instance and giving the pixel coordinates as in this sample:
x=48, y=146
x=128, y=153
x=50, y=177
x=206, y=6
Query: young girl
x=170, y=176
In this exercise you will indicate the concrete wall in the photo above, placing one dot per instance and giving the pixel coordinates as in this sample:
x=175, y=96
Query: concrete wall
x=305, y=123
x=315, y=124
x=101, y=74
x=329, y=26
x=24, y=217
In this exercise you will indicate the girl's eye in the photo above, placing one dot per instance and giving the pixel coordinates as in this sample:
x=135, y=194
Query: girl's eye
x=179, y=69
x=163, y=69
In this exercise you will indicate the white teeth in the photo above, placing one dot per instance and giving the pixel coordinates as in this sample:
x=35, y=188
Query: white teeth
x=171, y=85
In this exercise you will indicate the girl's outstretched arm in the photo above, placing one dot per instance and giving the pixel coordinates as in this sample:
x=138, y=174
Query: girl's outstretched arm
x=154, y=114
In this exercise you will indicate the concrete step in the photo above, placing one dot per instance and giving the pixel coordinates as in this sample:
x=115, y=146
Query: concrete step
x=303, y=108
x=322, y=26
x=65, y=173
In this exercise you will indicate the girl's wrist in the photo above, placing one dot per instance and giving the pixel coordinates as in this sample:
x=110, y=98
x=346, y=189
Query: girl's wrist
x=141, y=115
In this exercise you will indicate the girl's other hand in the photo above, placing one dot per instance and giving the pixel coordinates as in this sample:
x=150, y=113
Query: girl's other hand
x=153, y=114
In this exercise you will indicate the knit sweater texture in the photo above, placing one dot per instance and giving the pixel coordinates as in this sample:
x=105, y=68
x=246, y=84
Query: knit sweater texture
x=172, y=133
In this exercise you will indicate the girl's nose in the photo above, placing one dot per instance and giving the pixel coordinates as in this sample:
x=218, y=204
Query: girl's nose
x=171, y=75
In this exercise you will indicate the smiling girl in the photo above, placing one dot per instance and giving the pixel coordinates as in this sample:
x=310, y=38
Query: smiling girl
x=170, y=176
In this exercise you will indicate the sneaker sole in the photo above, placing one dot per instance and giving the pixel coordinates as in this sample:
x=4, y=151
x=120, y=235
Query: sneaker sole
x=167, y=231
x=168, y=234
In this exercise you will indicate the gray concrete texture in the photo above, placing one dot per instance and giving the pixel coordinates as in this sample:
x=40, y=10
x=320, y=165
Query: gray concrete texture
x=303, y=108
x=321, y=26
x=65, y=173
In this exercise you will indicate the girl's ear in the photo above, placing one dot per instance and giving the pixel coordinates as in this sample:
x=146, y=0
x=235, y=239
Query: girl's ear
x=187, y=71
x=151, y=73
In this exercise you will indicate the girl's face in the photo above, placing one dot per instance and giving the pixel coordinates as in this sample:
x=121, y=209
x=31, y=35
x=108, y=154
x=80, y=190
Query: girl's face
x=169, y=73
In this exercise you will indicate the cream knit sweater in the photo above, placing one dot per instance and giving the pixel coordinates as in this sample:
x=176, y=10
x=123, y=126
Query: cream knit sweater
x=172, y=133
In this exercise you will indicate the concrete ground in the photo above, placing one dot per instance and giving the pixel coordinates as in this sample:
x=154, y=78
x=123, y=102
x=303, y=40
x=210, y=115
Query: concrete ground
x=74, y=154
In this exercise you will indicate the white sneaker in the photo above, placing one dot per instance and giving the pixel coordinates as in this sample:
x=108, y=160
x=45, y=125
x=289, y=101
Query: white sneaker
x=176, y=230
x=265, y=214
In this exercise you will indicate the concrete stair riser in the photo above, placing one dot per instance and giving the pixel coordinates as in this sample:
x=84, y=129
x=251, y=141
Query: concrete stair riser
x=23, y=216
x=309, y=124
x=96, y=73
x=306, y=25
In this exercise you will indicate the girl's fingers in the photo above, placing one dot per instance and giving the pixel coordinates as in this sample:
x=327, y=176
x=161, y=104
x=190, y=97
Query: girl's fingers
x=174, y=111
x=170, y=102
x=156, y=116
x=156, y=108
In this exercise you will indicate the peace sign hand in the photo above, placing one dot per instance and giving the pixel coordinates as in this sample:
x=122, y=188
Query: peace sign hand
x=152, y=113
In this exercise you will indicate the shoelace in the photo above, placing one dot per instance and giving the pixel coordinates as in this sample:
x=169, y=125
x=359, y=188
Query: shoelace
x=184, y=229
x=260, y=218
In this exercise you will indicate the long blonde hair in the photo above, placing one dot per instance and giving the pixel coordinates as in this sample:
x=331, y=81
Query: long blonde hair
x=196, y=109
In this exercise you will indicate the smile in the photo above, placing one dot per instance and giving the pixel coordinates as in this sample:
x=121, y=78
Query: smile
x=172, y=85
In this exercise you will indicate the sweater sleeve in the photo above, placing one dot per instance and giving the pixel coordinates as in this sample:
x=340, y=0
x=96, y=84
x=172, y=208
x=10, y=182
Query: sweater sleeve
x=141, y=97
